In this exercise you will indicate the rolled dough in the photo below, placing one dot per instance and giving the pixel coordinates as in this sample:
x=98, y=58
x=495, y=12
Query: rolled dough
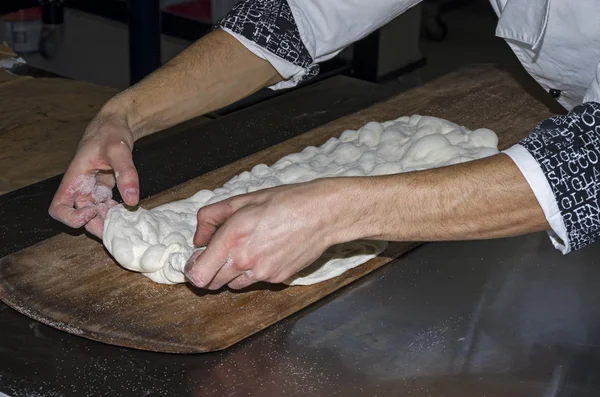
x=158, y=242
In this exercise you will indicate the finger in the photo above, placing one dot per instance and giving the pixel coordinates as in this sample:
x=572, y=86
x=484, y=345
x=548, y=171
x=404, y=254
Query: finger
x=71, y=187
x=209, y=219
x=106, y=178
x=96, y=226
x=242, y=281
x=72, y=217
x=202, y=268
x=126, y=175
x=104, y=207
x=225, y=274
x=214, y=215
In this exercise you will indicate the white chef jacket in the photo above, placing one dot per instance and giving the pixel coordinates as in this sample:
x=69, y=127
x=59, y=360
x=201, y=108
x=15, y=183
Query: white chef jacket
x=557, y=41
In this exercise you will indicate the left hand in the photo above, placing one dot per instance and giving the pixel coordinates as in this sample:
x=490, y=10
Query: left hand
x=268, y=235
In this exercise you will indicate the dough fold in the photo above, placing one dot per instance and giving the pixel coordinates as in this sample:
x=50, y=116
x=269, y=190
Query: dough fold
x=158, y=242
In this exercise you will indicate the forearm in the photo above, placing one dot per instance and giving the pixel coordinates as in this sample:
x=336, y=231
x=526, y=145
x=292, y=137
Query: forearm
x=213, y=72
x=487, y=198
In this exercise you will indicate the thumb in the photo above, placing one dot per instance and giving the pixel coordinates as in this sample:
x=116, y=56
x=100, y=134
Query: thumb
x=209, y=219
x=126, y=175
x=214, y=215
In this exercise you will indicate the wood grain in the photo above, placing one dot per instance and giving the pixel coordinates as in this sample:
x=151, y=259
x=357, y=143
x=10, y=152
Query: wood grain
x=72, y=284
x=41, y=121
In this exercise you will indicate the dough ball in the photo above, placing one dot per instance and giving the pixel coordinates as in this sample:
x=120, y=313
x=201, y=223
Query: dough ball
x=392, y=135
x=202, y=196
x=370, y=134
x=349, y=136
x=281, y=164
x=457, y=137
x=297, y=173
x=483, y=137
x=393, y=150
x=330, y=145
x=428, y=147
x=261, y=171
x=345, y=153
x=320, y=161
x=368, y=161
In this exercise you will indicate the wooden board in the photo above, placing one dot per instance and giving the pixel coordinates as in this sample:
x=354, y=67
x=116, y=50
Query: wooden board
x=42, y=121
x=72, y=284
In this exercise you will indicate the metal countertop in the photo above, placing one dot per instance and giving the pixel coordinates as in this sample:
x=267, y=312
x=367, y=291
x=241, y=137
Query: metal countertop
x=508, y=317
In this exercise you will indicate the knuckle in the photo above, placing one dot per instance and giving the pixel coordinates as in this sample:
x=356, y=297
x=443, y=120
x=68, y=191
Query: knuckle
x=260, y=275
x=115, y=150
x=243, y=265
x=247, y=264
x=127, y=173
x=202, y=213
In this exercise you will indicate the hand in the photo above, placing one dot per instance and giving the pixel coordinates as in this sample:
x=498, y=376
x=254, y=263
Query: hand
x=214, y=72
x=102, y=160
x=268, y=235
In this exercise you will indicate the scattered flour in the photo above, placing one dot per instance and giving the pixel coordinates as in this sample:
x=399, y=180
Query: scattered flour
x=158, y=242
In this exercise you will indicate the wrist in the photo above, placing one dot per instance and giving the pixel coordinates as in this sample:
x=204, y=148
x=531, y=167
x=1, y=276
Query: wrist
x=126, y=107
x=351, y=211
x=373, y=207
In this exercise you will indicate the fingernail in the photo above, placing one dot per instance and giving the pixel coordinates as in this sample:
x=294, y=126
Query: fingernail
x=193, y=258
x=188, y=269
x=131, y=195
x=197, y=281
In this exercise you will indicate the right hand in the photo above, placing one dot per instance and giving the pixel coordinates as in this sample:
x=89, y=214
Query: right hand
x=103, y=159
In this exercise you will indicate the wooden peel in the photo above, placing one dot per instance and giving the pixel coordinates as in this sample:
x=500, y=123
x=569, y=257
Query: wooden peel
x=71, y=283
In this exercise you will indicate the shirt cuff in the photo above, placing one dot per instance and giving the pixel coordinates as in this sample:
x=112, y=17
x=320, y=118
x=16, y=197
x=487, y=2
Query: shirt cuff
x=292, y=74
x=534, y=175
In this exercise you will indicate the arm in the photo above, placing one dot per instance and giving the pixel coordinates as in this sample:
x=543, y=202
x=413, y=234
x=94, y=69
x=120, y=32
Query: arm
x=269, y=235
x=214, y=72
x=482, y=199
x=549, y=181
x=259, y=44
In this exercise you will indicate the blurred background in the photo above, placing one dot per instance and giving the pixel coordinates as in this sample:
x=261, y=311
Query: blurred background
x=94, y=40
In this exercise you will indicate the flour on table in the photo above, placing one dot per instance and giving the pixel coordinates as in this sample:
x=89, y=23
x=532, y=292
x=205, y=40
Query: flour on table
x=158, y=242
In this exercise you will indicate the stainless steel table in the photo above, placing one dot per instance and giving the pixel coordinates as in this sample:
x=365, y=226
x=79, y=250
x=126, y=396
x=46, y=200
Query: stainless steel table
x=507, y=317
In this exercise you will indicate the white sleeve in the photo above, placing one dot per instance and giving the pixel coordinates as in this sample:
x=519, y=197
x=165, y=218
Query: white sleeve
x=295, y=35
x=593, y=92
x=560, y=159
x=538, y=183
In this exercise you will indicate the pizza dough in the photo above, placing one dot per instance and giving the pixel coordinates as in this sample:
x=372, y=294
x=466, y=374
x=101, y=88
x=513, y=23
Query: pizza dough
x=158, y=242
